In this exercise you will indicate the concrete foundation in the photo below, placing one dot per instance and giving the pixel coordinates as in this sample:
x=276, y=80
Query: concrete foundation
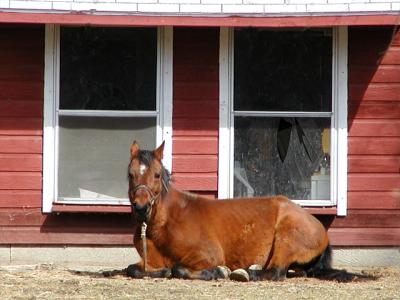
x=120, y=257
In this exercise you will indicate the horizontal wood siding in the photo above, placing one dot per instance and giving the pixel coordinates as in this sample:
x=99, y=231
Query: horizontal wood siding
x=21, y=122
x=195, y=109
x=374, y=140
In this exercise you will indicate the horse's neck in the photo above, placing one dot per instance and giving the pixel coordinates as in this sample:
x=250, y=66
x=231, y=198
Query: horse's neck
x=167, y=209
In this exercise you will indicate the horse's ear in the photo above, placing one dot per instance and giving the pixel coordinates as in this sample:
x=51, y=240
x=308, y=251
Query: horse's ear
x=134, y=149
x=158, y=153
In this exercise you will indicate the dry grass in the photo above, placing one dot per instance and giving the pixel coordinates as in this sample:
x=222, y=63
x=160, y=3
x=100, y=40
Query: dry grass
x=52, y=282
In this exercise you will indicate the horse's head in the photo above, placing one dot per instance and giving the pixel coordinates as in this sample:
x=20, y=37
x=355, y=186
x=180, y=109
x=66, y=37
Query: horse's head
x=148, y=179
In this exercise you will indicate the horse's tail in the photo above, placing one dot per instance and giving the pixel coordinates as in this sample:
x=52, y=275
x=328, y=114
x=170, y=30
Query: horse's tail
x=322, y=264
x=322, y=269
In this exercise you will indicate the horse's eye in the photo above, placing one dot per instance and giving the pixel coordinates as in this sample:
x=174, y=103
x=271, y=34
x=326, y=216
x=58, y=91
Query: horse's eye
x=157, y=175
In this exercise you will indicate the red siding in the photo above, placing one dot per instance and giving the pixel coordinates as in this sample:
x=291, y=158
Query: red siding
x=21, y=113
x=195, y=112
x=374, y=140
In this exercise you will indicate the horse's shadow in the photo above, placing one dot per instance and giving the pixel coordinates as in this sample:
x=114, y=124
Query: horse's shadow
x=100, y=274
x=337, y=275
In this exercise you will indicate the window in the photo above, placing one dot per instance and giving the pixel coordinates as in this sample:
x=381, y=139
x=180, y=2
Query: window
x=103, y=89
x=283, y=114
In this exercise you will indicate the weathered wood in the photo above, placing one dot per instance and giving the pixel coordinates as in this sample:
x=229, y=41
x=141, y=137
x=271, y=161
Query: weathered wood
x=373, y=200
x=16, y=90
x=364, y=237
x=373, y=218
x=195, y=164
x=200, y=109
x=374, y=146
x=20, y=199
x=187, y=126
x=35, y=236
x=196, y=92
x=21, y=126
x=374, y=164
x=20, y=162
x=21, y=144
x=195, y=181
x=374, y=74
x=20, y=181
x=195, y=145
x=72, y=221
x=15, y=108
x=135, y=20
x=374, y=110
x=375, y=91
x=59, y=208
x=374, y=128
x=373, y=182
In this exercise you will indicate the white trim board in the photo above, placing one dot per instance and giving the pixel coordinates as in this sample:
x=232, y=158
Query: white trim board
x=51, y=92
x=339, y=121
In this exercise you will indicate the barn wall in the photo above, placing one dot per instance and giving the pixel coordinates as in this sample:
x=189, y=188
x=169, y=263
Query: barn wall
x=374, y=140
x=196, y=109
x=21, y=121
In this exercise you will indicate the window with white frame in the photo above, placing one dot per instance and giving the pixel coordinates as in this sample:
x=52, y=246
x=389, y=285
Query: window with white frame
x=103, y=89
x=283, y=114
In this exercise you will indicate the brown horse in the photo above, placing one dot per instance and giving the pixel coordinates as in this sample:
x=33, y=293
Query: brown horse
x=191, y=236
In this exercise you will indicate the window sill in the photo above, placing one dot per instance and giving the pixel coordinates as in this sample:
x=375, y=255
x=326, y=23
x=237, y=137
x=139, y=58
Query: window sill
x=74, y=208
x=322, y=210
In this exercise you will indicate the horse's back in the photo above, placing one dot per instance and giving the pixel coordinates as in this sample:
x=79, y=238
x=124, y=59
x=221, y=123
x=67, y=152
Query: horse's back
x=251, y=229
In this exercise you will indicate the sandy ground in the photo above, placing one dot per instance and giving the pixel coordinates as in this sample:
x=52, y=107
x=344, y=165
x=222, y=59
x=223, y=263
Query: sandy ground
x=56, y=282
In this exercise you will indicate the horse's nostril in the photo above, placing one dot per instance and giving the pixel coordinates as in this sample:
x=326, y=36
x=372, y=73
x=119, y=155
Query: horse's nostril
x=140, y=208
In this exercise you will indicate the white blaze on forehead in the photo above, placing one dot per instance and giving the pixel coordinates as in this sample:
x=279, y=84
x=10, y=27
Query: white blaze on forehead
x=142, y=169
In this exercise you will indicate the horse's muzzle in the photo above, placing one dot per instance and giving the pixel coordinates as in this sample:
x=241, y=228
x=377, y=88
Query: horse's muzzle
x=141, y=212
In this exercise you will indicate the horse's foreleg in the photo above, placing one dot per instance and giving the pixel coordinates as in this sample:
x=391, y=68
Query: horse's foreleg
x=156, y=266
x=219, y=272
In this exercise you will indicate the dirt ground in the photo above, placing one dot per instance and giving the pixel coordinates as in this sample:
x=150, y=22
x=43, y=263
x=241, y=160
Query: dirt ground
x=55, y=282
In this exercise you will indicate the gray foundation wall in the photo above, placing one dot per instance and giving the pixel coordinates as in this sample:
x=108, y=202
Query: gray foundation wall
x=123, y=256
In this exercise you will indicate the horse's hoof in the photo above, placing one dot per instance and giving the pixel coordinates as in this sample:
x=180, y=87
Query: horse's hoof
x=134, y=272
x=239, y=275
x=256, y=267
x=223, y=272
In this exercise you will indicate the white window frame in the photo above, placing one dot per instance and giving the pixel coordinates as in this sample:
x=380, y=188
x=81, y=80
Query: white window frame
x=338, y=146
x=163, y=112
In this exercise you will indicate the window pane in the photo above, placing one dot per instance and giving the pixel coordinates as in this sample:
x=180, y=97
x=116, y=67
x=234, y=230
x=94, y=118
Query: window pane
x=108, y=68
x=261, y=166
x=283, y=70
x=94, y=154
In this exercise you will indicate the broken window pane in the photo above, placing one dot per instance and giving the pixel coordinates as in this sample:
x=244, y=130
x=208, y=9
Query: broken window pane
x=260, y=167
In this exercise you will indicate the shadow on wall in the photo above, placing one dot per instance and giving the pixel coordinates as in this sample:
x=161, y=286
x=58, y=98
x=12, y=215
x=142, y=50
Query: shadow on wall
x=369, y=49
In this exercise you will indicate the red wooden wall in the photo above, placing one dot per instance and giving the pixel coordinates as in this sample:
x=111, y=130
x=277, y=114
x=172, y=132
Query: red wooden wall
x=196, y=109
x=374, y=140
x=21, y=113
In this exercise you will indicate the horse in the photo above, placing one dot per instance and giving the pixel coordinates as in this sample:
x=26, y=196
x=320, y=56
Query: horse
x=190, y=236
